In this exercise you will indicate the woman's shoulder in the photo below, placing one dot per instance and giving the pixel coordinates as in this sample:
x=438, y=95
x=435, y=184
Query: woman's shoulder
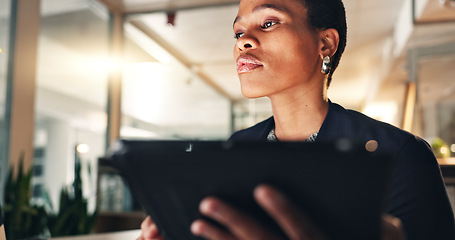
x=257, y=132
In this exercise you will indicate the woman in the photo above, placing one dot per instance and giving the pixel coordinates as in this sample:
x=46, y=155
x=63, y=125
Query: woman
x=288, y=50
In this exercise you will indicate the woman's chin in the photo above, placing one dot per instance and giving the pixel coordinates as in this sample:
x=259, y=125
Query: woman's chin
x=252, y=93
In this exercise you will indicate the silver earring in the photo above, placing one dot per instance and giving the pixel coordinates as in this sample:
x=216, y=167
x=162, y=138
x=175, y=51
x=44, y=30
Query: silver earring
x=326, y=65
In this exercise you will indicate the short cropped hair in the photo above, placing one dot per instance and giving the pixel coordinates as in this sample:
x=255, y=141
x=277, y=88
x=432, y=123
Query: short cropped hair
x=325, y=14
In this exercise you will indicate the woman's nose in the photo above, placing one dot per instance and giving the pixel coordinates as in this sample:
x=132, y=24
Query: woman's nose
x=247, y=42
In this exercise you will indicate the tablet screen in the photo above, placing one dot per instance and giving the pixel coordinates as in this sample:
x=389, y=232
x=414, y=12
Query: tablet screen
x=339, y=185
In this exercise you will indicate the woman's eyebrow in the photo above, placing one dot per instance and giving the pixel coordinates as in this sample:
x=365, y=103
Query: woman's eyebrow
x=266, y=6
x=271, y=6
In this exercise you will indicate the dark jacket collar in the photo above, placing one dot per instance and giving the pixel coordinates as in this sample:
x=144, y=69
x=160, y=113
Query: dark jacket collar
x=329, y=128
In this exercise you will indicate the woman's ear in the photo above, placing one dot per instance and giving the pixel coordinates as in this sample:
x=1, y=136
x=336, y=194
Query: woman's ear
x=329, y=40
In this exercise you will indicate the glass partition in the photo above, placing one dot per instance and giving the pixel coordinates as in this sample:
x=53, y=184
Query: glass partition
x=248, y=112
x=435, y=106
x=4, y=44
x=173, y=94
x=435, y=113
x=73, y=65
x=162, y=102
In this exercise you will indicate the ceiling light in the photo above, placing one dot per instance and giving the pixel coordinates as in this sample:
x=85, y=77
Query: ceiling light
x=82, y=148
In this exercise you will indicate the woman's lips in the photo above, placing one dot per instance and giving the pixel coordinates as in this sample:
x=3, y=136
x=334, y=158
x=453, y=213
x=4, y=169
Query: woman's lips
x=247, y=64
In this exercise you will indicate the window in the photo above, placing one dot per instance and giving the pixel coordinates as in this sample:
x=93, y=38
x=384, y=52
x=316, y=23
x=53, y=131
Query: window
x=4, y=43
x=168, y=95
x=71, y=95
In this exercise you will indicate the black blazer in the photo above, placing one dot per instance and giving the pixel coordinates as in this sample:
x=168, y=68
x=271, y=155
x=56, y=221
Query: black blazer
x=418, y=196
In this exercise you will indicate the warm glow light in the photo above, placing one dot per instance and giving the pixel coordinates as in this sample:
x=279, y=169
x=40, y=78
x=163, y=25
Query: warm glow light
x=105, y=64
x=131, y=132
x=147, y=88
x=1, y=50
x=444, y=150
x=382, y=111
x=108, y=64
x=82, y=148
x=452, y=148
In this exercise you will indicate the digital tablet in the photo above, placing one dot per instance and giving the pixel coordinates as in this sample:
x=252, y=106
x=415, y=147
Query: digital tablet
x=340, y=186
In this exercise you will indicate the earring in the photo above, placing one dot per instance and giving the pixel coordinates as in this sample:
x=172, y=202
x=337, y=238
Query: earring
x=326, y=65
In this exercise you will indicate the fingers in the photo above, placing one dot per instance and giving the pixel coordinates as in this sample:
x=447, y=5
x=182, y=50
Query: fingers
x=207, y=230
x=294, y=223
x=239, y=225
x=392, y=228
x=149, y=231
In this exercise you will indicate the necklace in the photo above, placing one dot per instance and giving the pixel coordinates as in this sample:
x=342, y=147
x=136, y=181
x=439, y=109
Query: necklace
x=271, y=137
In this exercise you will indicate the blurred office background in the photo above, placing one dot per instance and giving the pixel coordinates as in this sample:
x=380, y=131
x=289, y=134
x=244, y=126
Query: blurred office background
x=77, y=74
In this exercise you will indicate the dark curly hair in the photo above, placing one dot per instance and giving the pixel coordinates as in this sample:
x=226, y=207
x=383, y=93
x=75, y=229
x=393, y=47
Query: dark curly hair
x=325, y=14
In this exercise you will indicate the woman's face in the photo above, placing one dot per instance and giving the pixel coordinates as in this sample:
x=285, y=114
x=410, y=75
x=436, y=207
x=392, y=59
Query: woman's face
x=276, y=50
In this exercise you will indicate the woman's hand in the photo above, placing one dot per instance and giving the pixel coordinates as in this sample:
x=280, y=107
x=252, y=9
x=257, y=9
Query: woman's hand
x=294, y=223
x=392, y=228
x=149, y=231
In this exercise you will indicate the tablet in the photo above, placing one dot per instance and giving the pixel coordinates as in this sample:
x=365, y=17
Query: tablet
x=339, y=185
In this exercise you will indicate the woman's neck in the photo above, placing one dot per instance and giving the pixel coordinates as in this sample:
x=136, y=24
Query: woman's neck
x=300, y=115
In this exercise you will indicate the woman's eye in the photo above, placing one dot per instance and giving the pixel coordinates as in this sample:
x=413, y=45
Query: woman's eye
x=238, y=35
x=268, y=24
